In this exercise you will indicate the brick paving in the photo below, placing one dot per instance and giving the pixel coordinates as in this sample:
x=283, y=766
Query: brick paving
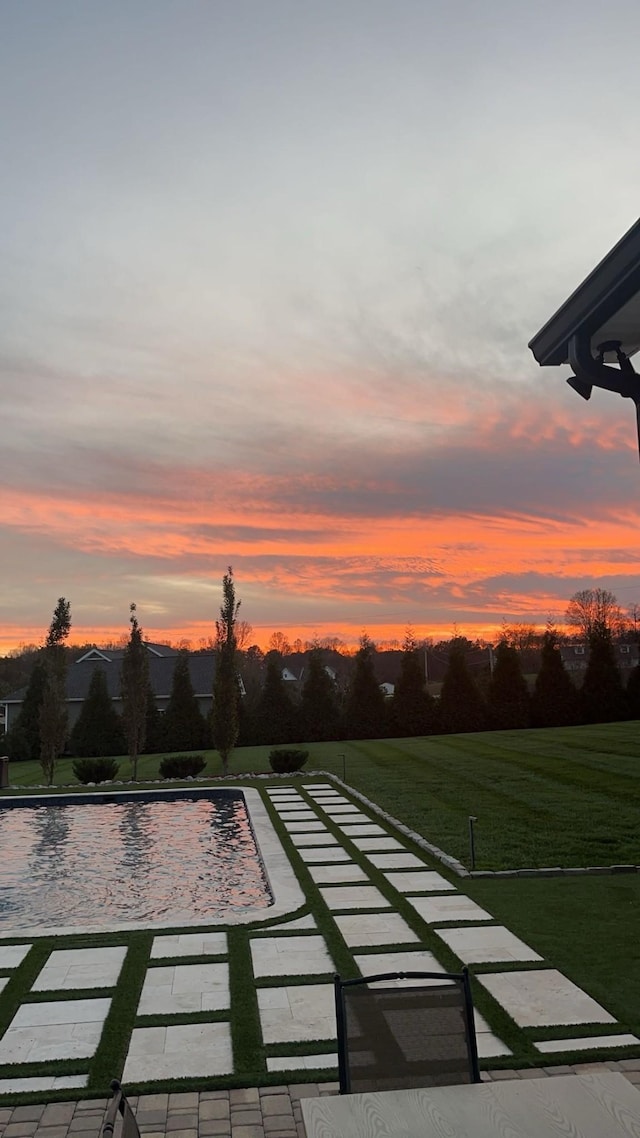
x=252, y=1112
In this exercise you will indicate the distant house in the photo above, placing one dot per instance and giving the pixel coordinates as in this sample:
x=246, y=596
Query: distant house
x=575, y=657
x=162, y=662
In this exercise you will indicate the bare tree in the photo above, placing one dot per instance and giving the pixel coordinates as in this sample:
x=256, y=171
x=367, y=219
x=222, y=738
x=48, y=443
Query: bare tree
x=278, y=643
x=244, y=632
x=594, y=610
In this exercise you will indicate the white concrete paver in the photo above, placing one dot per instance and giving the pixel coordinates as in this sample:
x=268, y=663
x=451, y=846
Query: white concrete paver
x=364, y=831
x=11, y=955
x=70, y=968
x=296, y=1013
x=336, y=808
x=4, y=980
x=307, y=922
x=290, y=956
x=457, y=907
x=542, y=998
x=61, y=1029
x=303, y=1062
x=306, y=827
x=362, y=930
x=187, y=1050
x=586, y=1043
x=14, y=1086
x=489, y=1046
x=483, y=944
x=353, y=818
x=185, y=988
x=367, y=845
x=396, y=861
x=189, y=944
x=418, y=960
x=418, y=881
x=330, y=854
x=333, y=874
x=297, y=815
x=354, y=897
x=325, y=839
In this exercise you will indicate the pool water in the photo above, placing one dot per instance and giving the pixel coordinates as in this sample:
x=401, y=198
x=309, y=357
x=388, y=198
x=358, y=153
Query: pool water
x=101, y=863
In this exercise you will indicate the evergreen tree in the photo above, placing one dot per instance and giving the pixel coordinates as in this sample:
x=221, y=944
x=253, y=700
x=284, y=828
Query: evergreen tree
x=555, y=701
x=23, y=740
x=320, y=717
x=53, y=709
x=134, y=684
x=226, y=690
x=633, y=692
x=98, y=728
x=412, y=707
x=276, y=716
x=154, y=727
x=508, y=696
x=365, y=710
x=184, y=726
x=602, y=695
x=462, y=707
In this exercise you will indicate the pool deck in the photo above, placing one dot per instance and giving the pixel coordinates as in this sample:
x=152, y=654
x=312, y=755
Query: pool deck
x=254, y=1112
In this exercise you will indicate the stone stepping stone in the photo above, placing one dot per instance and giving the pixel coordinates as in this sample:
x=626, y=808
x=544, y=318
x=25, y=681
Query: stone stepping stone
x=300, y=923
x=322, y=1062
x=325, y=839
x=290, y=956
x=418, y=960
x=42, y=1083
x=4, y=980
x=349, y=819
x=334, y=854
x=489, y=1046
x=420, y=881
x=297, y=815
x=305, y=827
x=181, y=1051
x=365, y=831
x=337, y=874
x=321, y=788
x=336, y=799
x=542, y=998
x=61, y=1029
x=189, y=944
x=70, y=968
x=479, y=945
x=366, y=845
x=185, y=988
x=362, y=930
x=589, y=1043
x=282, y=798
x=454, y=908
x=338, y=808
x=396, y=861
x=11, y=955
x=354, y=897
x=295, y=1013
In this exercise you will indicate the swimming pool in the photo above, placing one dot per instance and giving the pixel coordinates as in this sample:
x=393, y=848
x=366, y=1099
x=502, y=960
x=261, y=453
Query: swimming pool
x=96, y=862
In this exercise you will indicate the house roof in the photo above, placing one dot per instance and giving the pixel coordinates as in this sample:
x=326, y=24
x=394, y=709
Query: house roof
x=606, y=306
x=161, y=669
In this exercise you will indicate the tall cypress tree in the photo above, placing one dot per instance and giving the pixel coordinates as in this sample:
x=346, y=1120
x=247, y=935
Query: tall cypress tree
x=365, y=710
x=602, y=695
x=555, y=701
x=23, y=740
x=184, y=726
x=508, y=696
x=320, y=717
x=53, y=709
x=276, y=717
x=134, y=684
x=412, y=707
x=98, y=728
x=462, y=707
x=226, y=689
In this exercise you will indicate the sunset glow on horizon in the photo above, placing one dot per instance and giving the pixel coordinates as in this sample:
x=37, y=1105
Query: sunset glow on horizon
x=270, y=276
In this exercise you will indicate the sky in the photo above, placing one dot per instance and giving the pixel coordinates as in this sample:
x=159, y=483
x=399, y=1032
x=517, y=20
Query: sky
x=269, y=272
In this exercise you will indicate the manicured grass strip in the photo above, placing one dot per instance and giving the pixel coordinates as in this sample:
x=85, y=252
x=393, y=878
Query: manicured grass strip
x=108, y=1061
x=246, y=1033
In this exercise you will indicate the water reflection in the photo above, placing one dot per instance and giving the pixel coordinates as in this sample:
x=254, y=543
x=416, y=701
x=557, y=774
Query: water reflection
x=97, y=863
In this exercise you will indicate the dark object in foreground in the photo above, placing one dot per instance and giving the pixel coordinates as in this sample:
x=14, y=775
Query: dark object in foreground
x=391, y=1037
x=119, y=1104
x=286, y=761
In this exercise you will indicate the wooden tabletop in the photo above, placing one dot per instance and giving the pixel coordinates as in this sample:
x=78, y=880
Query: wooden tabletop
x=603, y=1105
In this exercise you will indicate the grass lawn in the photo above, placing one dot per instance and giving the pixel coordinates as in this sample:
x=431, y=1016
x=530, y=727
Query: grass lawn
x=561, y=796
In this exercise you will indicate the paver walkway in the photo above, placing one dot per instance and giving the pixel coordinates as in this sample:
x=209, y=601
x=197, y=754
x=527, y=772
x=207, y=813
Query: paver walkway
x=256, y=1112
x=292, y=966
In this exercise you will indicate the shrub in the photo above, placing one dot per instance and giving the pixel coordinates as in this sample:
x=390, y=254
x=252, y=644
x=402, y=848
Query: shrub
x=182, y=766
x=285, y=762
x=95, y=770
